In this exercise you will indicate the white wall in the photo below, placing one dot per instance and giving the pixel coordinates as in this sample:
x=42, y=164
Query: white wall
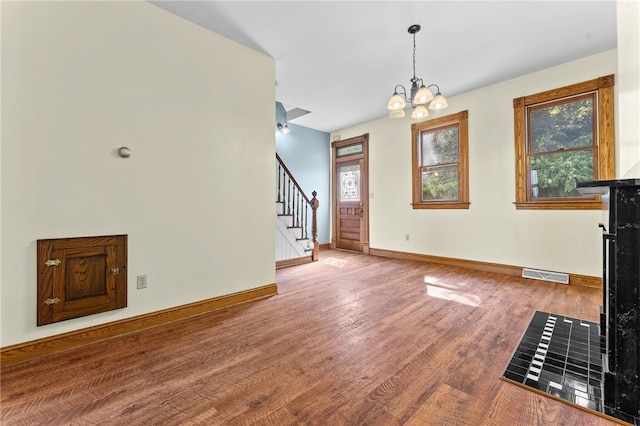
x=492, y=230
x=628, y=124
x=79, y=80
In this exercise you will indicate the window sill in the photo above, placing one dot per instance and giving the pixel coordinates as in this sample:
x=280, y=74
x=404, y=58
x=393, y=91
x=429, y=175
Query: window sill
x=441, y=205
x=560, y=205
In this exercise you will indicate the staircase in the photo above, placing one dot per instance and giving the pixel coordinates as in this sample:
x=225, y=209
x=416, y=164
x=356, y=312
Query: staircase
x=296, y=223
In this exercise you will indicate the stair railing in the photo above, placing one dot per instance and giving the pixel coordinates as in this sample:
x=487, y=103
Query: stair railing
x=296, y=204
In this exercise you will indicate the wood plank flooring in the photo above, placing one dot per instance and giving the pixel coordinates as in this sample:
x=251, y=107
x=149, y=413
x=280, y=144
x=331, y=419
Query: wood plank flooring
x=349, y=340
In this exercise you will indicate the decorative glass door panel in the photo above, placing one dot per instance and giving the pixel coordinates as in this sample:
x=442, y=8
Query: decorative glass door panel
x=350, y=182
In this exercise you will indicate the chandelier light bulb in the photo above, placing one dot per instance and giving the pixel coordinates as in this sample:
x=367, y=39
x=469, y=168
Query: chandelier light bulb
x=420, y=111
x=396, y=102
x=398, y=113
x=423, y=96
x=438, y=102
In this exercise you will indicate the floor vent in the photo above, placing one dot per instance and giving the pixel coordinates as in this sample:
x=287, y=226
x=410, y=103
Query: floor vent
x=536, y=274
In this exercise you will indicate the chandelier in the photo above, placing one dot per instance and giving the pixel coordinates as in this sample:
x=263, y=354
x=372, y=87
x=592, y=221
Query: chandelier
x=419, y=97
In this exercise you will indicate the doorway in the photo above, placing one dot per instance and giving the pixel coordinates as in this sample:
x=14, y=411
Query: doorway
x=350, y=194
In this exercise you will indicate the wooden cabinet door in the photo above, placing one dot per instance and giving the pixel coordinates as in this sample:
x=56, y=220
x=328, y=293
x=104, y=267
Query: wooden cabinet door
x=81, y=276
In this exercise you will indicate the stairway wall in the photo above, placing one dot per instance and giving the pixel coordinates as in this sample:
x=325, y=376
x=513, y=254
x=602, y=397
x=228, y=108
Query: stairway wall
x=306, y=152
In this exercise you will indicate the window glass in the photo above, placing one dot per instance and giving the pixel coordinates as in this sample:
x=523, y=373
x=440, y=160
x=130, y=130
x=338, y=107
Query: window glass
x=562, y=126
x=440, y=183
x=349, y=150
x=440, y=146
x=555, y=175
x=561, y=147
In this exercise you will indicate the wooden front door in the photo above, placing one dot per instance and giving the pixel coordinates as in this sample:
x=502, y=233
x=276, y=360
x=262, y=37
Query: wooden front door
x=350, y=195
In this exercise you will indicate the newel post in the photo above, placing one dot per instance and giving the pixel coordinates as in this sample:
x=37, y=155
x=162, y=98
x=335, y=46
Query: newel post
x=314, y=227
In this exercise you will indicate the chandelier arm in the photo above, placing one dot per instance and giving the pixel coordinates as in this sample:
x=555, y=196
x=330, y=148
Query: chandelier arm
x=437, y=88
x=403, y=92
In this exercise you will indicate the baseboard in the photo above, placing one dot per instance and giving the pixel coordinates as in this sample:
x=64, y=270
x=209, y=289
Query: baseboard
x=21, y=352
x=585, y=280
x=293, y=262
x=300, y=260
x=516, y=271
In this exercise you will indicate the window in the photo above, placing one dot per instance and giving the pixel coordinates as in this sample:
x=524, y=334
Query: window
x=564, y=136
x=440, y=162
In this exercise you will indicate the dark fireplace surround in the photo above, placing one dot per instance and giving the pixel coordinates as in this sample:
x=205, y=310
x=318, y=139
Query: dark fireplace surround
x=620, y=311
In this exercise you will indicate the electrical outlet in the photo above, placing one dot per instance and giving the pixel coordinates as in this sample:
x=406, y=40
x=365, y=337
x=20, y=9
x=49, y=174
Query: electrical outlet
x=142, y=281
x=406, y=237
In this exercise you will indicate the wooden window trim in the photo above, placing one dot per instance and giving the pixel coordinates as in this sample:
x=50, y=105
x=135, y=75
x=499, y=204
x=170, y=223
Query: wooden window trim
x=461, y=119
x=604, y=149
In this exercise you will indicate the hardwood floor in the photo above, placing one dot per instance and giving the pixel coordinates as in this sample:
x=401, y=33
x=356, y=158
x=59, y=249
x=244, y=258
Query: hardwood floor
x=349, y=340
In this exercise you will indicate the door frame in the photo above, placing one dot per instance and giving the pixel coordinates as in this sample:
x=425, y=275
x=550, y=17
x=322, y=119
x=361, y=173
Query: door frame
x=364, y=190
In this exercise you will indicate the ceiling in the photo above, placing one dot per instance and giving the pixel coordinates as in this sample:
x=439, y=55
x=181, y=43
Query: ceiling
x=341, y=60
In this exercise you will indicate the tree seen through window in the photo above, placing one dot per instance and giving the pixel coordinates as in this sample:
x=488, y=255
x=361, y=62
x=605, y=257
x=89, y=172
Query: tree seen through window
x=561, y=148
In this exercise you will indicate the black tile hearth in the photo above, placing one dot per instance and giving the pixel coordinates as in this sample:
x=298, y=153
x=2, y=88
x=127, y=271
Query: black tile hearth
x=562, y=357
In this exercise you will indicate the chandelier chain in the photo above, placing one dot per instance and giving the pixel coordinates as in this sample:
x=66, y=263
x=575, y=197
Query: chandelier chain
x=414, y=56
